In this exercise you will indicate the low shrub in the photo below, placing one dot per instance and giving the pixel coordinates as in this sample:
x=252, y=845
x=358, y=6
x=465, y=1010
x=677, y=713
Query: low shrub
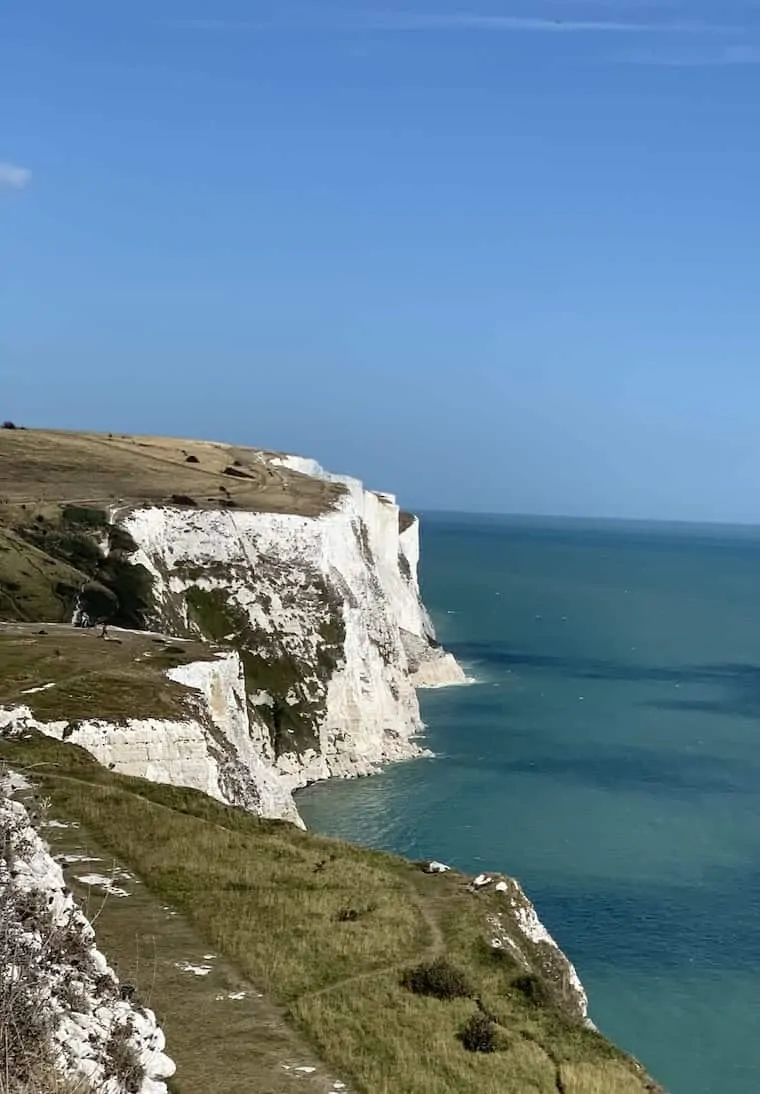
x=479, y=1034
x=438, y=978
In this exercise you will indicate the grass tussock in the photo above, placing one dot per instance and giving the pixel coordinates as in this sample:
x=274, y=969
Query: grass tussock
x=271, y=898
x=46, y=1079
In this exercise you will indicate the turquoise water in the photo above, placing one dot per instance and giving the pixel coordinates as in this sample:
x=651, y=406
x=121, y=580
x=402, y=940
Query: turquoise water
x=609, y=757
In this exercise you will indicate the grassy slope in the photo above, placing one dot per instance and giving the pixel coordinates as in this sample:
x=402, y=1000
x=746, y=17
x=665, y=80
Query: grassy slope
x=150, y=946
x=44, y=472
x=272, y=899
x=267, y=896
x=116, y=678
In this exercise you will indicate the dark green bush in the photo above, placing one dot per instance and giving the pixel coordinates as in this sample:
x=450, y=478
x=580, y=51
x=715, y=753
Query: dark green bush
x=533, y=989
x=122, y=1060
x=439, y=978
x=479, y=1034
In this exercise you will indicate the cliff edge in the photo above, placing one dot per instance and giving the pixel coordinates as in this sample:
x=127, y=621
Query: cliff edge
x=304, y=582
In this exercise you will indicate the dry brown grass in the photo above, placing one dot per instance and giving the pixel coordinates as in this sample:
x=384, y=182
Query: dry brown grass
x=46, y=476
x=43, y=467
x=584, y=1078
x=112, y=679
x=47, y=1080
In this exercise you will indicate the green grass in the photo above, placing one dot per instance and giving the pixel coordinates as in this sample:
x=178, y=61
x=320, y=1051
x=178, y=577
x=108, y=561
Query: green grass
x=34, y=585
x=149, y=948
x=272, y=899
x=114, y=679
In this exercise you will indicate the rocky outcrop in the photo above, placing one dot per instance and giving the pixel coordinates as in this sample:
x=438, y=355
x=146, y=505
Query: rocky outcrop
x=515, y=929
x=214, y=749
x=62, y=1010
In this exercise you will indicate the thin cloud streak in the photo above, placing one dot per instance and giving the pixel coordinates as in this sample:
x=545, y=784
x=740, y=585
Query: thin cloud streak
x=733, y=56
x=14, y=177
x=408, y=22
x=497, y=23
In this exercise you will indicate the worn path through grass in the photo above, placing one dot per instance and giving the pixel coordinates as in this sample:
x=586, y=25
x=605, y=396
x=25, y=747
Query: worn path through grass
x=223, y=1034
x=323, y=930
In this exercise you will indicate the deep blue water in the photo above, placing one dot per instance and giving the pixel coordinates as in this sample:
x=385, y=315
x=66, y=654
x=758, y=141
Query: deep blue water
x=609, y=758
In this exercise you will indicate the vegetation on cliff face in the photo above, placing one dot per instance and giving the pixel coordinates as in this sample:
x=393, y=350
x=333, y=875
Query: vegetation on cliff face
x=294, y=690
x=103, y=580
x=331, y=932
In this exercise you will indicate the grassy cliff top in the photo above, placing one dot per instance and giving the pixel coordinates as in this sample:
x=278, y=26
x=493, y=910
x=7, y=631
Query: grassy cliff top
x=53, y=466
x=56, y=489
x=342, y=940
x=64, y=673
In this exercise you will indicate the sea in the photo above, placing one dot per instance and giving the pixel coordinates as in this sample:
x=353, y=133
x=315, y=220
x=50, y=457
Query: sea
x=608, y=756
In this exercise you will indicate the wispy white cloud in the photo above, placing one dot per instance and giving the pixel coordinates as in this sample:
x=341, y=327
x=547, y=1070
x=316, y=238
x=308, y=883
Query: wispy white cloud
x=474, y=21
x=732, y=55
x=13, y=176
x=395, y=21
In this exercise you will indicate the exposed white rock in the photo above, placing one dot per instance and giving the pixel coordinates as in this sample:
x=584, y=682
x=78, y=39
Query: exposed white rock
x=328, y=611
x=216, y=752
x=33, y=691
x=437, y=868
x=246, y=774
x=52, y=961
x=480, y=881
x=291, y=579
x=196, y=970
x=520, y=930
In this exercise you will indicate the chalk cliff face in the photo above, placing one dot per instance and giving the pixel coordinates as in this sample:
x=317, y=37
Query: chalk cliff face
x=215, y=748
x=324, y=613
x=70, y=1014
x=320, y=640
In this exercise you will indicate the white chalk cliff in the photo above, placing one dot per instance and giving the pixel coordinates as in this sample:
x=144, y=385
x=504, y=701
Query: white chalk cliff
x=69, y=1011
x=324, y=642
x=326, y=616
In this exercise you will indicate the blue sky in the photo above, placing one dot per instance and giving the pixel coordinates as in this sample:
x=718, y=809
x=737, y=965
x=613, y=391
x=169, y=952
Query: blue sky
x=491, y=256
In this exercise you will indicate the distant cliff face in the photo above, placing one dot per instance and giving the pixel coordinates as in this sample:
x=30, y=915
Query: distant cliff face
x=317, y=640
x=324, y=613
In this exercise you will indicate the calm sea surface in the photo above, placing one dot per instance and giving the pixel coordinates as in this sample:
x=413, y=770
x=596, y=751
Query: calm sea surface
x=608, y=757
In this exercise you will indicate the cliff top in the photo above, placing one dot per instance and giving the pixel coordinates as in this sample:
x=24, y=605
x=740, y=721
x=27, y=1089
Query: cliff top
x=64, y=673
x=39, y=467
x=56, y=488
